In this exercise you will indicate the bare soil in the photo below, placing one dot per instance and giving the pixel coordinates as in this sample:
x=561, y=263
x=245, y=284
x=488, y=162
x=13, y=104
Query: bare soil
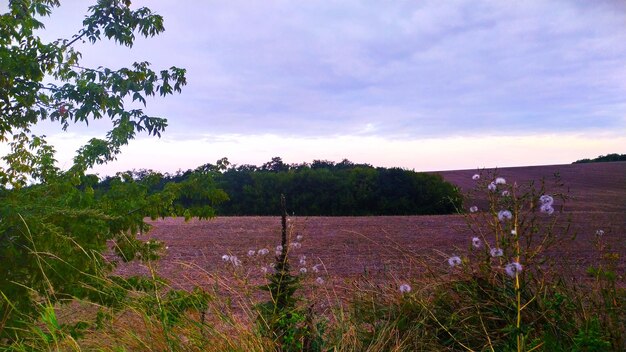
x=350, y=247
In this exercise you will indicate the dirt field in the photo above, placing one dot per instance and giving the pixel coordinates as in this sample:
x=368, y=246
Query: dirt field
x=352, y=246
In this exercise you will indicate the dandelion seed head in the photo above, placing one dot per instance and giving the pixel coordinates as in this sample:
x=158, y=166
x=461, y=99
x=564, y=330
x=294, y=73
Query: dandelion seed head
x=454, y=261
x=302, y=270
x=405, y=288
x=476, y=242
x=547, y=209
x=513, y=269
x=251, y=252
x=473, y=209
x=506, y=193
x=500, y=181
x=319, y=280
x=496, y=252
x=476, y=177
x=504, y=214
x=225, y=257
x=546, y=199
x=492, y=187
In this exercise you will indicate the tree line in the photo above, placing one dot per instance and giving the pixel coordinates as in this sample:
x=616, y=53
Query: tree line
x=320, y=188
x=603, y=159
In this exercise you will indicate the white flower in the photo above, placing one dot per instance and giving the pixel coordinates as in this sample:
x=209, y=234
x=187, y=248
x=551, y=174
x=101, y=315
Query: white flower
x=600, y=233
x=500, y=181
x=263, y=251
x=316, y=268
x=454, y=261
x=473, y=209
x=476, y=177
x=319, y=280
x=234, y=260
x=504, y=214
x=295, y=245
x=302, y=270
x=513, y=232
x=492, y=187
x=302, y=261
x=513, y=269
x=496, y=252
x=279, y=248
x=506, y=193
x=476, y=242
x=299, y=238
x=405, y=288
x=547, y=208
x=251, y=252
x=225, y=257
x=546, y=199
x=167, y=247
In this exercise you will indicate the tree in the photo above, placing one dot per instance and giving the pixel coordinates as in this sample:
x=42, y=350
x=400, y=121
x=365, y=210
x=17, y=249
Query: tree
x=53, y=226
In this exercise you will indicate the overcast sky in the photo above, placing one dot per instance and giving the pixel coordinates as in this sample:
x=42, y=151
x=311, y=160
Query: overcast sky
x=425, y=85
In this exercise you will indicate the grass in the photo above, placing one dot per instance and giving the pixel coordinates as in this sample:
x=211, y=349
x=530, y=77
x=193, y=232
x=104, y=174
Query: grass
x=506, y=291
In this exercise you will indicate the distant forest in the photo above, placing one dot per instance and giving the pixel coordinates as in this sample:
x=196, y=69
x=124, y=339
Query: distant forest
x=321, y=188
x=603, y=159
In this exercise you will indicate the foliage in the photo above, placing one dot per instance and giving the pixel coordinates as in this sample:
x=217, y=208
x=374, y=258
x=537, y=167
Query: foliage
x=54, y=227
x=323, y=188
x=603, y=158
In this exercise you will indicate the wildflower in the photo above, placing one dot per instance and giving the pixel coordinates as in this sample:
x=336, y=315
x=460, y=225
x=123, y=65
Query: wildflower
x=476, y=177
x=496, y=252
x=264, y=270
x=405, y=288
x=295, y=245
x=513, y=269
x=316, y=268
x=263, y=251
x=302, y=261
x=504, y=214
x=513, y=232
x=500, y=181
x=492, y=187
x=234, y=260
x=279, y=248
x=547, y=208
x=506, y=193
x=167, y=247
x=299, y=238
x=476, y=242
x=599, y=233
x=302, y=270
x=319, y=280
x=226, y=257
x=546, y=199
x=454, y=261
x=251, y=252
x=473, y=209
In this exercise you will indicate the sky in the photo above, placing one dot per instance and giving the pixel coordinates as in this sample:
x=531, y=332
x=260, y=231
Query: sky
x=423, y=85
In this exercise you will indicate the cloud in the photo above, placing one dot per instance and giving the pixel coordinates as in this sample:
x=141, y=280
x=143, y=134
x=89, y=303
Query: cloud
x=400, y=69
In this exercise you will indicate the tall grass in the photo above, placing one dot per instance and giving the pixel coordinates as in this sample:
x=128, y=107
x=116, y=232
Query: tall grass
x=502, y=288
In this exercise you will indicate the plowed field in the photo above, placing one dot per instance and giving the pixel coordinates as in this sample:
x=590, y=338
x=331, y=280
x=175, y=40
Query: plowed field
x=351, y=246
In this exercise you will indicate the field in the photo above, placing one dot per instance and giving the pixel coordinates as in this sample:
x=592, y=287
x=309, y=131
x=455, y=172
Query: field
x=349, y=247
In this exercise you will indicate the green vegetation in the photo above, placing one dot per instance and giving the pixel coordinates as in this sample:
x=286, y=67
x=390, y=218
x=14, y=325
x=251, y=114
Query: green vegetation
x=321, y=188
x=54, y=229
x=63, y=232
x=602, y=159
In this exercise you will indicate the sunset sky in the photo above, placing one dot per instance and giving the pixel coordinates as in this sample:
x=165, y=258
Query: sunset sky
x=424, y=85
